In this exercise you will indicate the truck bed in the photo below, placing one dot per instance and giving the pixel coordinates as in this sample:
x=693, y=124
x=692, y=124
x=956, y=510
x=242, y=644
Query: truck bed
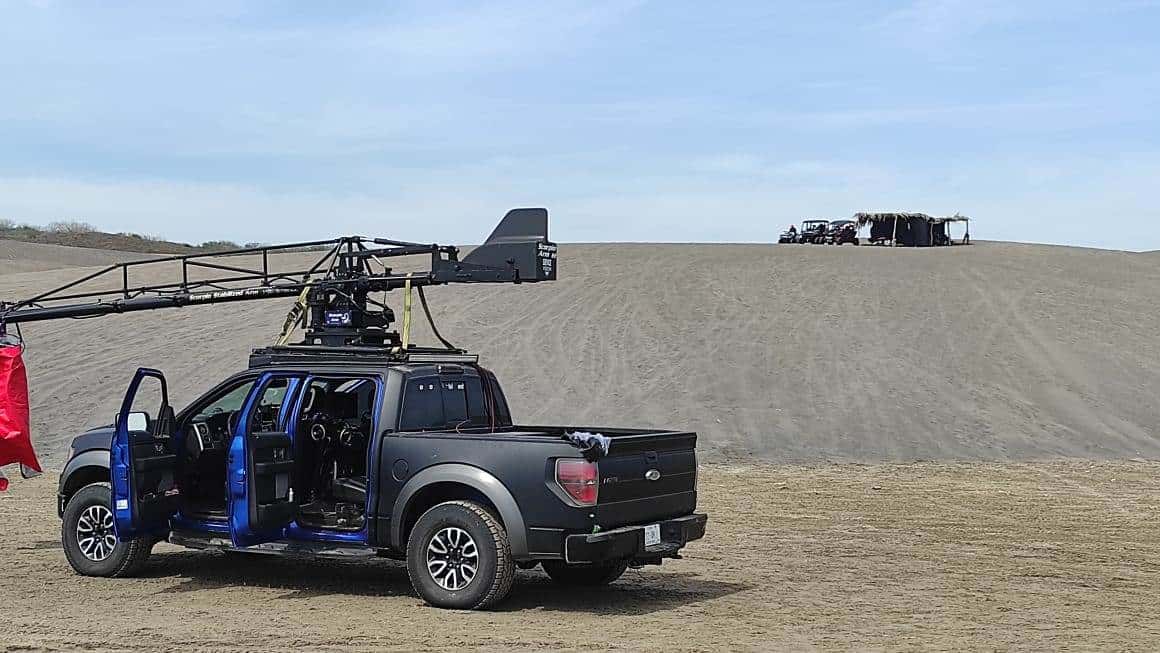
x=647, y=474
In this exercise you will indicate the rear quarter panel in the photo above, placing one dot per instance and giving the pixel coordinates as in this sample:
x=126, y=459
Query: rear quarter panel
x=521, y=463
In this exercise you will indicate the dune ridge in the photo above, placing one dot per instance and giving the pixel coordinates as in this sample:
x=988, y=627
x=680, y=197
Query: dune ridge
x=772, y=353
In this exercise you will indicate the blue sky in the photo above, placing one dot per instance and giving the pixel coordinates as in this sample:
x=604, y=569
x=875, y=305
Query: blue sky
x=663, y=120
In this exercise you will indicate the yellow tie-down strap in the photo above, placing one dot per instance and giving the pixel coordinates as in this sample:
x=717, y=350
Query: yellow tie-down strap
x=407, y=313
x=293, y=317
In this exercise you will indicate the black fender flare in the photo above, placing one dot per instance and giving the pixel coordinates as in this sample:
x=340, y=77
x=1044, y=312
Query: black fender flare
x=84, y=459
x=473, y=477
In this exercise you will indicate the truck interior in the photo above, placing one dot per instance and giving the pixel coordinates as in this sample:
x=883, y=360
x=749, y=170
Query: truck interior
x=332, y=435
x=332, y=430
x=206, y=437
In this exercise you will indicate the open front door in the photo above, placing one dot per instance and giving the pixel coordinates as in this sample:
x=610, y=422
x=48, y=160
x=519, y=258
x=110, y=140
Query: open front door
x=261, y=464
x=143, y=462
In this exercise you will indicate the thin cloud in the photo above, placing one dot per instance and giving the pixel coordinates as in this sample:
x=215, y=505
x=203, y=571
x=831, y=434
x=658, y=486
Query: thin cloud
x=484, y=34
x=945, y=22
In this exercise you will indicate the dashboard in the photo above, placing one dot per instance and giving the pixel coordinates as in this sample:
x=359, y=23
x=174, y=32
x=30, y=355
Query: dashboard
x=213, y=433
x=335, y=420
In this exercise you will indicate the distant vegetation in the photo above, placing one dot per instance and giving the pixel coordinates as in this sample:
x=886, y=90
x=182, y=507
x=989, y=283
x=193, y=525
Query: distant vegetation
x=82, y=234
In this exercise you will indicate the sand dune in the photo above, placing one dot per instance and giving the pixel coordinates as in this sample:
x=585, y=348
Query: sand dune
x=31, y=257
x=778, y=353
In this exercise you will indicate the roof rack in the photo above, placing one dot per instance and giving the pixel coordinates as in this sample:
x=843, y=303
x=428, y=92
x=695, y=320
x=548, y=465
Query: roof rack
x=290, y=355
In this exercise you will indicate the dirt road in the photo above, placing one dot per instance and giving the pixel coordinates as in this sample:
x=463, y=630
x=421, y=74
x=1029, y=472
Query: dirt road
x=920, y=556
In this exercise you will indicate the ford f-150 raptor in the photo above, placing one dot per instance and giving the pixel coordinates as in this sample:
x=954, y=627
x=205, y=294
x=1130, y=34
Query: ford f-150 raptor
x=357, y=443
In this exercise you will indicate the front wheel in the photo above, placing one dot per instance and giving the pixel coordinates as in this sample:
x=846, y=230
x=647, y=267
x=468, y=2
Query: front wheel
x=89, y=543
x=458, y=556
x=587, y=575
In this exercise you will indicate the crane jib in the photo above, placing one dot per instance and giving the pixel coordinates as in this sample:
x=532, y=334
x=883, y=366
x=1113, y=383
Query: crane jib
x=518, y=251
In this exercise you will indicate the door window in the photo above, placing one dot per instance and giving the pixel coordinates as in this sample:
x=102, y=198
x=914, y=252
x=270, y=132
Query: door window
x=464, y=403
x=146, y=408
x=213, y=425
x=444, y=403
x=494, y=394
x=422, y=405
x=265, y=418
x=229, y=401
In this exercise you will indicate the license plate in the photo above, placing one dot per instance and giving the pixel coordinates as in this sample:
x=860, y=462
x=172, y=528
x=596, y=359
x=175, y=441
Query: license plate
x=652, y=535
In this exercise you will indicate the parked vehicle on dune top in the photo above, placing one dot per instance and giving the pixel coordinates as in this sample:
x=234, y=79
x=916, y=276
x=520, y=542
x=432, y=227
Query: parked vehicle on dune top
x=842, y=231
x=356, y=442
x=813, y=232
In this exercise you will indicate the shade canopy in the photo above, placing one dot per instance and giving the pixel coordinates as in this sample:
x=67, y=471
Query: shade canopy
x=909, y=229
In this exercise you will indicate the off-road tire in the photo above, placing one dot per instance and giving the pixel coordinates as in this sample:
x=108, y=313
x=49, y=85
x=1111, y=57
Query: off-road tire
x=126, y=558
x=495, y=571
x=587, y=575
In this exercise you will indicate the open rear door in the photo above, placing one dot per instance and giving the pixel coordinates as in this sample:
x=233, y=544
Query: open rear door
x=261, y=464
x=143, y=462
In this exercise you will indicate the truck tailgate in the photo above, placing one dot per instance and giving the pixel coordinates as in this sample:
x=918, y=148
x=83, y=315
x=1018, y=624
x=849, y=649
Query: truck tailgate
x=646, y=477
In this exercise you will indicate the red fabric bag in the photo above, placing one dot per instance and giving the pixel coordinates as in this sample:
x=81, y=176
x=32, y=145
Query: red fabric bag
x=15, y=437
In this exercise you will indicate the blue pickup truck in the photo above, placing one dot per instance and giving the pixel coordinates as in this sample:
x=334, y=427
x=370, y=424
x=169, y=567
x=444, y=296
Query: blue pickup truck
x=341, y=454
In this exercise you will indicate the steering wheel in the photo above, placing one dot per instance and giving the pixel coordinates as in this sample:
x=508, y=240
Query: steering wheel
x=319, y=425
x=348, y=435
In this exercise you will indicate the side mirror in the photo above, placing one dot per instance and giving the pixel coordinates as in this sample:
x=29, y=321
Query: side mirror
x=137, y=422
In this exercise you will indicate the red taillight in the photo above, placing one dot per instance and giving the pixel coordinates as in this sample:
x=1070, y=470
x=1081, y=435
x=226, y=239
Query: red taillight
x=579, y=479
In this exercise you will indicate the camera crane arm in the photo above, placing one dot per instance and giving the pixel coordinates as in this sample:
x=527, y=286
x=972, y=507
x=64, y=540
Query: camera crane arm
x=336, y=285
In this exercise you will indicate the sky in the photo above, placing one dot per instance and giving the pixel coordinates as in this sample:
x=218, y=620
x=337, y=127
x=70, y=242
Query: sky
x=631, y=121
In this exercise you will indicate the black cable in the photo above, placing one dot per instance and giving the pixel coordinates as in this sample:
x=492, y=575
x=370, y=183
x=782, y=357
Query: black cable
x=431, y=321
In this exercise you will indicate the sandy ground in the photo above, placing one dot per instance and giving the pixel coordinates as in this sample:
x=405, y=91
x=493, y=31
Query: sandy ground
x=777, y=356
x=1039, y=556
x=785, y=353
x=33, y=257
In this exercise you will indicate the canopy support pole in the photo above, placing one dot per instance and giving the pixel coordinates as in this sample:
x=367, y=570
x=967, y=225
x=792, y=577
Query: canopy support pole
x=894, y=236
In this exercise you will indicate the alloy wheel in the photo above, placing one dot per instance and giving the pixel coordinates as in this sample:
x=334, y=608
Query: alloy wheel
x=95, y=535
x=452, y=558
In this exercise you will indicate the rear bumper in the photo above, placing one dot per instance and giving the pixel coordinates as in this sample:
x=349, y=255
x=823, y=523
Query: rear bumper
x=627, y=543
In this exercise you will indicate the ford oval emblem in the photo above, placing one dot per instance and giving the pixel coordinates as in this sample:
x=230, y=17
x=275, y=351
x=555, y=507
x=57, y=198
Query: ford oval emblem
x=653, y=475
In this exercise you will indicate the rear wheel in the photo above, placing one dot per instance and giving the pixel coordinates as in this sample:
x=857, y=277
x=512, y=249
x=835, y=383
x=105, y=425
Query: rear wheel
x=458, y=556
x=589, y=575
x=89, y=543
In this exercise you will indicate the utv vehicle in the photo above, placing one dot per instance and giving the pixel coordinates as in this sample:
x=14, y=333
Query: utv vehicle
x=842, y=231
x=814, y=232
x=357, y=443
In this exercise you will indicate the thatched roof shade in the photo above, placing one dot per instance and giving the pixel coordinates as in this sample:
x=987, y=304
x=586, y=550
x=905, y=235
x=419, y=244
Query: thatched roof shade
x=866, y=218
x=953, y=218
